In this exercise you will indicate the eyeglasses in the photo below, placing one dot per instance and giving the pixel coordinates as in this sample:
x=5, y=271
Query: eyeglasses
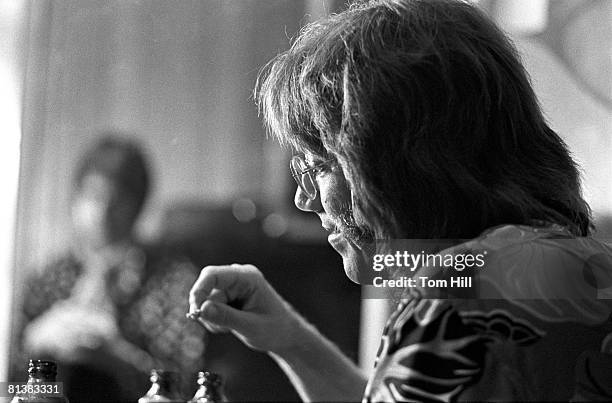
x=303, y=174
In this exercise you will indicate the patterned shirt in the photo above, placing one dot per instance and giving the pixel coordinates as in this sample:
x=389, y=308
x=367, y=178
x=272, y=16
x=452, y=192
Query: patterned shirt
x=148, y=295
x=538, y=326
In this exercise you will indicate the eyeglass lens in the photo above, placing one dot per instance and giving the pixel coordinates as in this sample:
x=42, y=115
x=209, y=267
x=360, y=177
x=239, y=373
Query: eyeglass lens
x=304, y=180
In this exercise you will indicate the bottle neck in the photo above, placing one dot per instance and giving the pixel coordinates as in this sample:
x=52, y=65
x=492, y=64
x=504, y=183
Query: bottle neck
x=164, y=384
x=210, y=388
x=41, y=371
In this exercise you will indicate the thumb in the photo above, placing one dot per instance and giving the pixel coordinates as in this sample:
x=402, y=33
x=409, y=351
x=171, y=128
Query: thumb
x=225, y=316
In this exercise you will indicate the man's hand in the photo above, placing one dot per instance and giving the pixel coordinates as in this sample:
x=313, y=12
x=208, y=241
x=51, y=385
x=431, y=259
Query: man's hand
x=238, y=298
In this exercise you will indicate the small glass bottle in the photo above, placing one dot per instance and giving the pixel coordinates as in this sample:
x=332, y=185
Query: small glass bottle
x=164, y=387
x=210, y=390
x=39, y=387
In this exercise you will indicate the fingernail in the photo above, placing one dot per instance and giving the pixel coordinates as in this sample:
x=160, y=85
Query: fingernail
x=193, y=314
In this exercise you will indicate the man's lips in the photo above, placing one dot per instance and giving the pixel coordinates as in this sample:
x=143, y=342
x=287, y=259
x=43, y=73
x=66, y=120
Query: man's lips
x=333, y=231
x=329, y=227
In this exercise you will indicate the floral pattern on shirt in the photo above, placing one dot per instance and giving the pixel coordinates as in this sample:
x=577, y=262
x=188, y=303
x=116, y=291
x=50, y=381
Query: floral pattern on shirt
x=543, y=332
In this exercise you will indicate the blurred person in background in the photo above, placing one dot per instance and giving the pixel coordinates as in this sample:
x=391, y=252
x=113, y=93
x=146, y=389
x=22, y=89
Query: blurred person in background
x=109, y=309
x=414, y=119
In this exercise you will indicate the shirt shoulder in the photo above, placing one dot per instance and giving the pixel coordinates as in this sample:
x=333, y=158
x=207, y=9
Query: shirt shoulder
x=546, y=271
x=541, y=291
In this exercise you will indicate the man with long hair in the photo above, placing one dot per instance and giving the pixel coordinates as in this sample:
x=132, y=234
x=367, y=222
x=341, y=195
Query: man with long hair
x=414, y=119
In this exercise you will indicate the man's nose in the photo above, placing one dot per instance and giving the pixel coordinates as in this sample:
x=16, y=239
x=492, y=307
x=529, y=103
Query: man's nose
x=302, y=201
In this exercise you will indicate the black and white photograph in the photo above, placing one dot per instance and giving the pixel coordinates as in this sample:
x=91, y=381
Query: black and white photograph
x=212, y=201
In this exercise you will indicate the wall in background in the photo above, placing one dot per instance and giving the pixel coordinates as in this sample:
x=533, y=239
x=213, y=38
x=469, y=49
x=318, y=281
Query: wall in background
x=12, y=41
x=178, y=75
x=565, y=45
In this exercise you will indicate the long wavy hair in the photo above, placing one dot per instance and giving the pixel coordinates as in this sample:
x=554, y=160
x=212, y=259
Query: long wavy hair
x=427, y=108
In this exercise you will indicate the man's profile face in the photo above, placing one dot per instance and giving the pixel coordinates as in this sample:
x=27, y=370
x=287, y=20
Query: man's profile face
x=334, y=207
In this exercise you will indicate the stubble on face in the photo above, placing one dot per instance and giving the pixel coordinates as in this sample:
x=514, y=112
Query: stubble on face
x=350, y=238
x=341, y=211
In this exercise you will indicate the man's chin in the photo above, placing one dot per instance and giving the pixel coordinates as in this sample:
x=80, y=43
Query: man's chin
x=356, y=268
x=354, y=259
x=351, y=271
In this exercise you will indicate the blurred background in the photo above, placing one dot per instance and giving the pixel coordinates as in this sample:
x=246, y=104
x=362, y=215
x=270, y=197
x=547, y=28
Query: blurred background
x=178, y=77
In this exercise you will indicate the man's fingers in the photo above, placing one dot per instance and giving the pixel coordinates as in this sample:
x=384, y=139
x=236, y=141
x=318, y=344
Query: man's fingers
x=212, y=328
x=225, y=317
x=235, y=281
x=218, y=296
x=207, y=281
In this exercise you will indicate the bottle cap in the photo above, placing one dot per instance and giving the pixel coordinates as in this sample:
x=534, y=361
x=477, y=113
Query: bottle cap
x=43, y=367
x=210, y=378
